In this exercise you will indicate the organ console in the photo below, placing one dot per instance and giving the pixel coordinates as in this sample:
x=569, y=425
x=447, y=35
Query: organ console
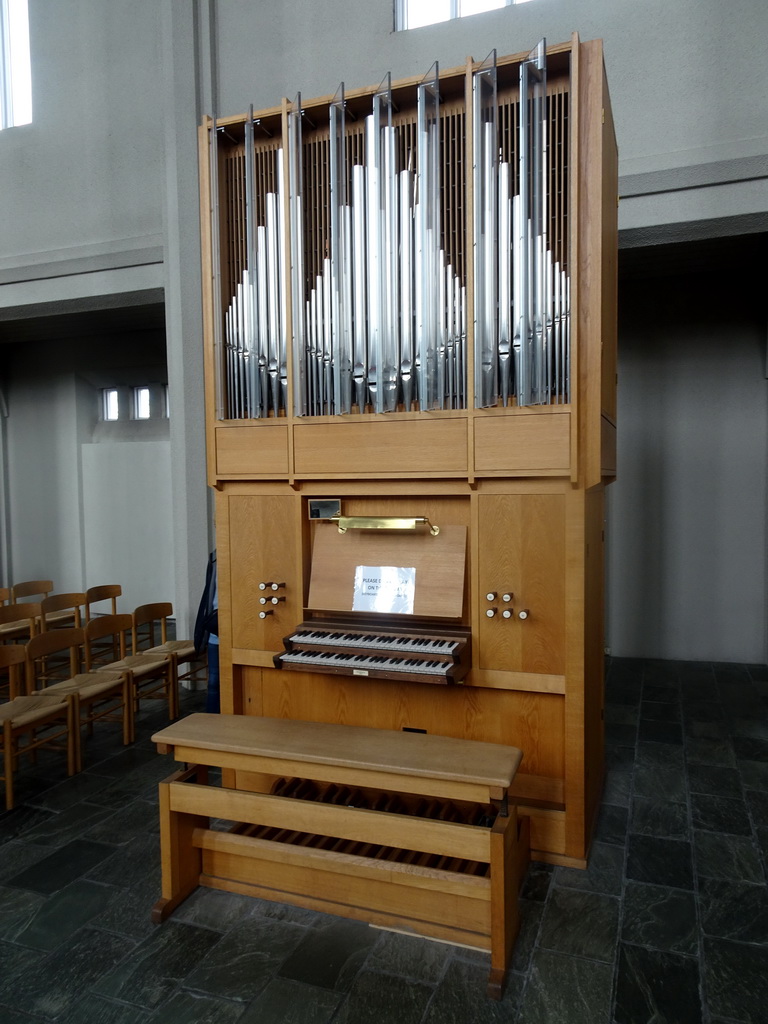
x=410, y=320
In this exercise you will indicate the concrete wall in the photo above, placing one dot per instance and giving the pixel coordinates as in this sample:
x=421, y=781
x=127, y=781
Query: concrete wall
x=688, y=517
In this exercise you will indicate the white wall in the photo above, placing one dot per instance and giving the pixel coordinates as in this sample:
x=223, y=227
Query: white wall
x=687, y=515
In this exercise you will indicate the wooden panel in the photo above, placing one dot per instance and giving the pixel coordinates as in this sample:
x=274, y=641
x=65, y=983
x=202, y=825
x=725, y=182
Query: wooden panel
x=381, y=447
x=531, y=721
x=252, y=451
x=439, y=563
x=521, y=550
x=262, y=548
x=523, y=442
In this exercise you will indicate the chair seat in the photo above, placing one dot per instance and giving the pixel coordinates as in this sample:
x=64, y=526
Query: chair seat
x=139, y=664
x=183, y=649
x=26, y=710
x=88, y=684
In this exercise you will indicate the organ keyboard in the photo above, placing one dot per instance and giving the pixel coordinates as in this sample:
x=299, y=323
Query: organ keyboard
x=346, y=648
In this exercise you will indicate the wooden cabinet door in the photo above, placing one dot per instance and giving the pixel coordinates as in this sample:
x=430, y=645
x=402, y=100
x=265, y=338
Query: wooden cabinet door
x=521, y=551
x=262, y=549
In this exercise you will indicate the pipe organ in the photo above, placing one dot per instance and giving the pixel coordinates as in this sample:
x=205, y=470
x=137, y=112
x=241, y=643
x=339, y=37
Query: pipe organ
x=410, y=330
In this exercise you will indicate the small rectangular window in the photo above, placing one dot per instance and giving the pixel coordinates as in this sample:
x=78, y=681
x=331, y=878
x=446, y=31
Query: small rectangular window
x=15, y=70
x=141, y=407
x=417, y=13
x=110, y=404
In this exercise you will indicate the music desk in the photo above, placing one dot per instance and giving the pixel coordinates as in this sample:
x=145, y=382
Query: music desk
x=407, y=867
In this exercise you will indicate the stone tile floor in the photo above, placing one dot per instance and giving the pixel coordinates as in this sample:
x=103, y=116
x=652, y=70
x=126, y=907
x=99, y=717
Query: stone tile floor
x=669, y=923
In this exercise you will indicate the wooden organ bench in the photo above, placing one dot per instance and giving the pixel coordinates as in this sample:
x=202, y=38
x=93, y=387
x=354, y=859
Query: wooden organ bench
x=404, y=830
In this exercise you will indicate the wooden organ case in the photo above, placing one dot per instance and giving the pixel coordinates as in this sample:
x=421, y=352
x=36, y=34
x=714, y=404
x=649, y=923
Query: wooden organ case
x=329, y=227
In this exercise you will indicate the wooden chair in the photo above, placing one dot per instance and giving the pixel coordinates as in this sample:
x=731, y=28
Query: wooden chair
x=150, y=623
x=42, y=720
x=19, y=622
x=4, y=595
x=32, y=588
x=61, y=610
x=151, y=675
x=95, y=696
x=108, y=592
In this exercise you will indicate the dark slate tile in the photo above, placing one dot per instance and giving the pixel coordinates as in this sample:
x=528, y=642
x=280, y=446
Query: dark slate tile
x=62, y=867
x=660, y=918
x=122, y=826
x=566, y=990
x=604, y=871
x=530, y=923
x=758, y=808
x=621, y=714
x=660, y=861
x=128, y=864
x=617, y=788
x=129, y=911
x=657, y=986
x=17, y=908
x=293, y=915
x=96, y=1010
x=70, y=824
x=412, y=956
x=16, y=962
x=705, y=750
x=580, y=924
x=68, y=972
x=619, y=758
x=736, y=979
x=715, y=732
x=661, y=784
x=157, y=965
x=751, y=728
x=186, y=1007
x=660, y=693
x=749, y=749
x=246, y=959
x=703, y=711
x=380, y=997
x=659, y=755
x=330, y=956
x=70, y=792
x=213, y=908
x=720, y=814
x=723, y=856
x=734, y=910
x=289, y=1002
x=660, y=732
x=612, y=825
x=627, y=694
x=660, y=711
x=731, y=673
x=714, y=779
x=127, y=760
x=618, y=734
x=460, y=998
x=16, y=822
x=659, y=818
x=537, y=881
x=754, y=775
x=17, y=855
x=62, y=914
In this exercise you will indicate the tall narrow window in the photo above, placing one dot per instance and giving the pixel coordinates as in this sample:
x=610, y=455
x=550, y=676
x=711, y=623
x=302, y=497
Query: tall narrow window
x=15, y=72
x=416, y=13
x=110, y=404
x=141, y=410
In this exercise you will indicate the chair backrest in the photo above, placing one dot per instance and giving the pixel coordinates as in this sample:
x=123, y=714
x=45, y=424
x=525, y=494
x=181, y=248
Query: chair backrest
x=19, y=621
x=53, y=656
x=12, y=657
x=58, y=603
x=4, y=594
x=106, y=592
x=114, y=626
x=32, y=588
x=145, y=620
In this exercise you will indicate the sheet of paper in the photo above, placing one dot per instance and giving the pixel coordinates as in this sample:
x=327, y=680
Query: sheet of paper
x=384, y=588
